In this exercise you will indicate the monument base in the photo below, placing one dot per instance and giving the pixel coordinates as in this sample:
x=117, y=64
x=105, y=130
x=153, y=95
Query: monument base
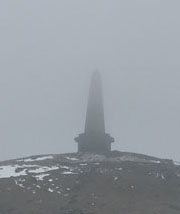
x=95, y=143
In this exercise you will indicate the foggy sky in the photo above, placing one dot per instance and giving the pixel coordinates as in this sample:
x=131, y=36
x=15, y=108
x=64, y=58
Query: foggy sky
x=48, y=51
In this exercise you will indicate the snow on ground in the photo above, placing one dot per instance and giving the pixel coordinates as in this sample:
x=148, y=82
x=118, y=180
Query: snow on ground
x=43, y=169
x=41, y=176
x=28, y=166
x=97, y=158
x=65, y=166
x=37, y=171
x=69, y=173
x=160, y=175
x=10, y=171
x=72, y=159
x=116, y=178
x=120, y=169
x=155, y=161
x=38, y=159
x=68, y=166
x=176, y=163
x=18, y=184
x=24, y=170
x=50, y=190
x=133, y=158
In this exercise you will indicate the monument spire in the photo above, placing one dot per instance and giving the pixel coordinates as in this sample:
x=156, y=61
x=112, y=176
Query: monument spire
x=94, y=139
x=95, y=110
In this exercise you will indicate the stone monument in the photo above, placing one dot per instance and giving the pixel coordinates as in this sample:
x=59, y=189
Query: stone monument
x=94, y=139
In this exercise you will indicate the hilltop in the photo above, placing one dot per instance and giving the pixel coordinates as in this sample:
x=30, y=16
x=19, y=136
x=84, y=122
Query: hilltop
x=83, y=183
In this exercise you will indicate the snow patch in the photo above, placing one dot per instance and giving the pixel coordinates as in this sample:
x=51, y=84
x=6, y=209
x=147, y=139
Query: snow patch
x=136, y=159
x=72, y=159
x=50, y=190
x=176, y=163
x=160, y=175
x=116, y=178
x=69, y=173
x=41, y=177
x=11, y=171
x=43, y=169
x=24, y=170
x=96, y=163
x=83, y=164
x=18, y=184
x=65, y=167
x=155, y=161
x=38, y=159
x=120, y=169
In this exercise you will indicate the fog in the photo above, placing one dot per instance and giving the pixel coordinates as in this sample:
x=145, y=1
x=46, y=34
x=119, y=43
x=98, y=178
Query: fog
x=48, y=51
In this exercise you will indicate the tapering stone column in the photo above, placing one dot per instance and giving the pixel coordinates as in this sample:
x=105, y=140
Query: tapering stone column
x=94, y=139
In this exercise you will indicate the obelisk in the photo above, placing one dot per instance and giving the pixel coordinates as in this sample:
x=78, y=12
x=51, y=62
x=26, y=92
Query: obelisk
x=94, y=139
